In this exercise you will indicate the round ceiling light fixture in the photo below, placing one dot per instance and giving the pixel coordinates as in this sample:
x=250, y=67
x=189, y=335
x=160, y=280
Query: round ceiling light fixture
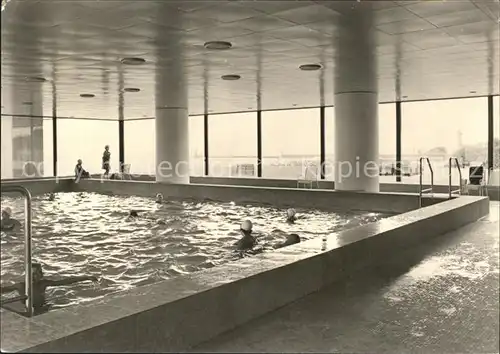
x=310, y=67
x=35, y=79
x=133, y=61
x=131, y=89
x=405, y=96
x=231, y=77
x=218, y=45
x=473, y=91
x=87, y=95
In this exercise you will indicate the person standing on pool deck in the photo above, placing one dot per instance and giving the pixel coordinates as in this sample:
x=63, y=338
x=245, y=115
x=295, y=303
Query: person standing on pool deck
x=40, y=284
x=9, y=224
x=247, y=242
x=106, y=158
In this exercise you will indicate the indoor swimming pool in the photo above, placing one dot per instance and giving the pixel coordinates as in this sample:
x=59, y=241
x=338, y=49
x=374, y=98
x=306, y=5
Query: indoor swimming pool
x=90, y=234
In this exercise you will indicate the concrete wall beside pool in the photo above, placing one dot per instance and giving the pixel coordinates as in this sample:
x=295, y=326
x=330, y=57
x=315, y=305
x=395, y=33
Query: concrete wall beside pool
x=328, y=200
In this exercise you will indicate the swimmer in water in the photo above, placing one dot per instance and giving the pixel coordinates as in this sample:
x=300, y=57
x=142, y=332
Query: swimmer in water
x=159, y=198
x=52, y=197
x=9, y=224
x=40, y=284
x=247, y=242
x=291, y=239
x=134, y=215
x=291, y=216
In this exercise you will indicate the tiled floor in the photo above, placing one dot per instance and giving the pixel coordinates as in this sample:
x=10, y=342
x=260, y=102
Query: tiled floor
x=440, y=297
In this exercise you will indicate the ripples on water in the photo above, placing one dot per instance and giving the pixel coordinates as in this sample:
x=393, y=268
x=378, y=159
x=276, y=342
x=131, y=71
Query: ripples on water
x=88, y=234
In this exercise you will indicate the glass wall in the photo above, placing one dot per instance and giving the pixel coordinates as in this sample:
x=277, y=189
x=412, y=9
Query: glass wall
x=496, y=132
x=329, y=143
x=387, y=142
x=196, y=145
x=85, y=139
x=26, y=147
x=139, y=138
x=440, y=129
x=232, y=145
x=290, y=141
x=48, y=148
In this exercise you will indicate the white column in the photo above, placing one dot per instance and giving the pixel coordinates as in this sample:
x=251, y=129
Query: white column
x=172, y=126
x=356, y=102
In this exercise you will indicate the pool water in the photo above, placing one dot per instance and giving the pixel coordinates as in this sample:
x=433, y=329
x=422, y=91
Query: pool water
x=89, y=234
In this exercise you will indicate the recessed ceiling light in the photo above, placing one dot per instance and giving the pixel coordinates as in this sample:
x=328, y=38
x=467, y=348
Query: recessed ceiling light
x=131, y=89
x=133, y=61
x=473, y=91
x=218, y=45
x=36, y=79
x=405, y=96
x=294, y=105
x=28, y=103
x=87, y=95
x=310, y=67
x=231, y=77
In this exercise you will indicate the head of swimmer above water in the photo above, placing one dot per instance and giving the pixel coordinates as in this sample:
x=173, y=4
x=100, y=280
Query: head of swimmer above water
x=292, y=239
x=246, y=228
x=6, y=213
x=52, y=196
x=133, y=214
x=159, y=198
x=291, y=215
x=37, y=271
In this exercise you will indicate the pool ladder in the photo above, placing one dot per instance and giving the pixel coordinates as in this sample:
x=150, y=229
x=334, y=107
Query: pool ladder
x=459, y=190
x=423, y=191
x=27, y=297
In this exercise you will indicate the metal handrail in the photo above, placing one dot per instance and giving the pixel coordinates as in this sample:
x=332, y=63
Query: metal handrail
x=459, y=190
x=28, y=287
x=421, y=171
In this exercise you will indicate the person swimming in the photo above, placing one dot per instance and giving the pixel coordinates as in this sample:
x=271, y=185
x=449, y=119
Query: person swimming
x=291, y=239
x=159, y=198
x=134, y=215
x=40, y=284
x=291, y=216
x=51, y=197
x=8, y=223
x=247, y=242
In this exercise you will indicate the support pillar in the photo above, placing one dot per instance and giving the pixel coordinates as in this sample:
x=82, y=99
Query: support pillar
x=356, y=102
x=172, y=126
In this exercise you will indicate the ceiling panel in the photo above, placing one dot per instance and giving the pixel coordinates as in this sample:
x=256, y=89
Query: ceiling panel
x=432, y=49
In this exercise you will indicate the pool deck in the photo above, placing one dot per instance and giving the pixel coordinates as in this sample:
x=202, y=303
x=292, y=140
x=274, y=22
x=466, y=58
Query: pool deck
x=439, y=297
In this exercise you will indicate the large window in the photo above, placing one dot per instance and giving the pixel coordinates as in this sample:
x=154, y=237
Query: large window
x=48, y=148
x=329, y=143
x=387, y=141
x=140, y=150
x=290, y=141
x=85, y=139
x=441, y=129
x=232, y=145
x=26, y=147
x=196, y=145
x=139, y=138
x=496, y=132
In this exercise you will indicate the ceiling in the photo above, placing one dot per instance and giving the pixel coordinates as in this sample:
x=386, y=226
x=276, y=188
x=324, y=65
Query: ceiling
x=426, y=49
